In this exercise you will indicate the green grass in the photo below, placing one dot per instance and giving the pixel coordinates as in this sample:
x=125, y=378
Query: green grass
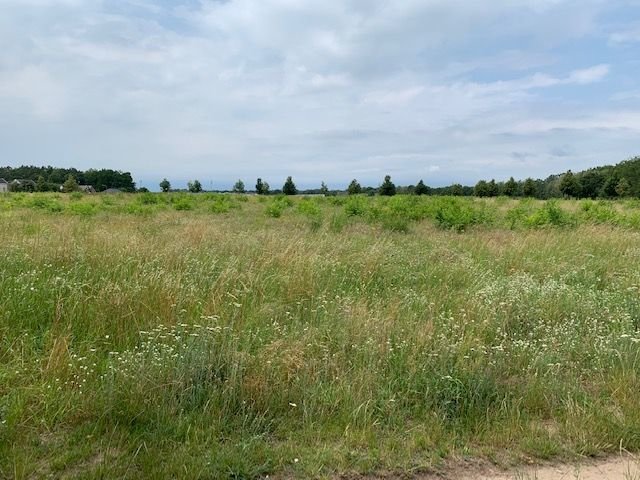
x=206, y=336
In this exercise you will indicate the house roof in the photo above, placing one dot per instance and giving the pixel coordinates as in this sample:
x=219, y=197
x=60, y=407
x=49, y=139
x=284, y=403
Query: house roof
x=2, y=180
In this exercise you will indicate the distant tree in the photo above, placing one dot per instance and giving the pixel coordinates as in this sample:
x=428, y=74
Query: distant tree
x=324, y=190
x=529, y=187
x=492, y=188
x=421, y=189
x=195, y=186
x=70, y=184
x=41, y=184
x=456, y=190
x=481, y=189
x=569, y=185
x=289, y=188
x=354, y=187
x=591, y=183
x=387, y=188
x=623, y=189
x=165, y=186
x=143, y=190
x=609, y=186
x=262, y=188
x=510, y=187
x=238, y=187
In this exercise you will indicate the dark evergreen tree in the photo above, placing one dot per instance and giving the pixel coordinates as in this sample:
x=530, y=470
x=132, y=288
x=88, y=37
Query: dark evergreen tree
x=289, y=188
x=529, y=188
x=387, y=188
x=354, y=188
x=421, y=189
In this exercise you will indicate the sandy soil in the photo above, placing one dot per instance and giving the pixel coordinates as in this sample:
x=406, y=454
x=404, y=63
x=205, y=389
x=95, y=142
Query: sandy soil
x=623, y=467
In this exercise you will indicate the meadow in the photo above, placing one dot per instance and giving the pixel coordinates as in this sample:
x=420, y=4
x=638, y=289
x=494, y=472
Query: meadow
x=230, y=336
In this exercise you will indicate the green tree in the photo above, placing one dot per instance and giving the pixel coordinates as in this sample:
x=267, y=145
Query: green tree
x=481, y=189
x=529, y=187
x=195, y=186
x=387, y=188
x=165, y=186
x=591, y=183
x=510, y=187
x=41, y=184
x=354, y=188
x=456, y=190
x=569, y=185
x=623, y=189
x=421, y=189
x=289, y=188
x=70, y=184
x=610, y=184
x=262, y=188
x=492, y=188
x=324, y=190
x=238, y=187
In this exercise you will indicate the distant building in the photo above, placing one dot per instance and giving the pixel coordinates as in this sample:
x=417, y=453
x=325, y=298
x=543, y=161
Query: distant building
x=86, y=189
x=4, y=186
x=23, y=185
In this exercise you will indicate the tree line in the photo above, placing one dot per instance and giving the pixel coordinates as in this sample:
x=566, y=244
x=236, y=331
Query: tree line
x=610, y=181
x=50, y=179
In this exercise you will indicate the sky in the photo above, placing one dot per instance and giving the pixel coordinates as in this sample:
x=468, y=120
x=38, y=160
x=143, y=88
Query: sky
x=441, y=90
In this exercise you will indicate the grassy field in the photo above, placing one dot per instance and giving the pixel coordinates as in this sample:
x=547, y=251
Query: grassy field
x=213, y=336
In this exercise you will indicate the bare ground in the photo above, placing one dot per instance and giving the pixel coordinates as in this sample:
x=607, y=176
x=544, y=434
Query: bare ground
x=619, y=467
x=624, y=466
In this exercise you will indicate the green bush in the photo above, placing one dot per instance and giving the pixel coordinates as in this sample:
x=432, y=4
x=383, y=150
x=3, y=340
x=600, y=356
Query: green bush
x=277, y=206
x=147, y=198
x=551, y=214
x=221, y=203
x=356, y=206
x=45, y=203
x=455, y=214
x=85, y=209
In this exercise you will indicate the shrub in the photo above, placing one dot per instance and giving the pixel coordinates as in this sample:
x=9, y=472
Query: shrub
x=550, y=214
x=85, y=209
x=45, y=203
x=182, y=204
x=147, y=198
x=355, y=206
x=277, y=206
x=455, y=214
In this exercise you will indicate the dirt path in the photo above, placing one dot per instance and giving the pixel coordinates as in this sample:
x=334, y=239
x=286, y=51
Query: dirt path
x=622, y=467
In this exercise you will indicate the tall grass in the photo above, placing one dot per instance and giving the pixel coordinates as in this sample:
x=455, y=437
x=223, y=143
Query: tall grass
x=221, y=341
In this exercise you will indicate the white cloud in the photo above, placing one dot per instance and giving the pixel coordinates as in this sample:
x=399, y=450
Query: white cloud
x=37, y=89
x=278, y=87
x=629, y=35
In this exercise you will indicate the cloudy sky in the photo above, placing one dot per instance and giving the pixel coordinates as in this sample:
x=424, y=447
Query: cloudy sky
x=445, y=90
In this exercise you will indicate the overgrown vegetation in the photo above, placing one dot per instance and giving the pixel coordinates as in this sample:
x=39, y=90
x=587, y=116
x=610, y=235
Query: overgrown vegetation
x=225, y=336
